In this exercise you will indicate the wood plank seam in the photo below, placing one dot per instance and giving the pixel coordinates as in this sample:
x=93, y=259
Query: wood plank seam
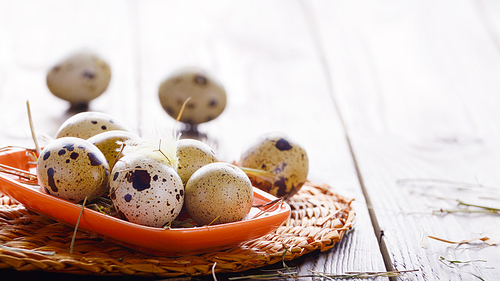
x=378, y=232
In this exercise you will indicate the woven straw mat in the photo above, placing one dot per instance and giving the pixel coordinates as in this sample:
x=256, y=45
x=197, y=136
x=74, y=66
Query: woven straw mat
x=30, y=242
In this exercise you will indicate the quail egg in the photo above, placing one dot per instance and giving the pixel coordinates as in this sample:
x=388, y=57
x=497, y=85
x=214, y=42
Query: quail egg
x=71, y=169
x=207, y=96
x=145, y=190
x=218, y=193
x=87, y=124
x=110, y=142
x=79, y=78
x=277, y=154
x=193, y=154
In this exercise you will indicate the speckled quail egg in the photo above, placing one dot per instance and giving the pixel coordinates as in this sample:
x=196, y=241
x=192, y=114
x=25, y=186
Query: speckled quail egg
x=281, y=156
x=218, y=193
x=79, y=78
x=87, y=124
x=71, y=169
x=110, y=142
x=193, y=154
x=208, y=97
x=145, y=190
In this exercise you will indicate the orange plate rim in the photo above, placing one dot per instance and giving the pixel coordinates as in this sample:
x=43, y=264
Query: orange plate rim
x=151, y=240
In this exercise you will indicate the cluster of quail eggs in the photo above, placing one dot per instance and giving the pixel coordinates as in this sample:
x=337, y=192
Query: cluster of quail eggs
x=151, y=187
x=146, y=185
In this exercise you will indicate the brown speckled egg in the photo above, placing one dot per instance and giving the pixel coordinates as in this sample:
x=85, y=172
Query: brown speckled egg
x=79, y=78
x=146, y=191
x=208, y=97
x=110, y=143
x=72, y=168
x=281, y=156
x=193, y=154
x=218, y=193
x=90, y=123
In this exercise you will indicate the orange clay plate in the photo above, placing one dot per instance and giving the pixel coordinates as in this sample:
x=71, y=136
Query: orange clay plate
x=156, y=241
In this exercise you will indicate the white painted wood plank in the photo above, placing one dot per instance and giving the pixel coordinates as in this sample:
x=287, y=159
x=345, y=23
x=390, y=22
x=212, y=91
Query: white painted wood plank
x=37, y=34
x=489, y=14
x=417, y=84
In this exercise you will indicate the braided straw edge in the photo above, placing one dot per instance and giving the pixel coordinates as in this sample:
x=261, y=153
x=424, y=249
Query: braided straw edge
x=318, y=221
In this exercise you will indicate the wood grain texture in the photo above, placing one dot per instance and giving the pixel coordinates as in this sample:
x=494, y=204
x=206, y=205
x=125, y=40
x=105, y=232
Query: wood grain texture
x=416, y=84
x=264, y=53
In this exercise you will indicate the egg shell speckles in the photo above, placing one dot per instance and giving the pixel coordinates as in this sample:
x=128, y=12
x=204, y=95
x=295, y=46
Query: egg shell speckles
x=79, y=78
x=87, y=124
x=193, y=154
x=208, y=97
x=110, y=143
x=279, y=155
x=72, y=168
x=218, y=193
x=146, y=191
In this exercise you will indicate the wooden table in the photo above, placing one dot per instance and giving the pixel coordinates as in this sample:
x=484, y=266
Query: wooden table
x=396, y=102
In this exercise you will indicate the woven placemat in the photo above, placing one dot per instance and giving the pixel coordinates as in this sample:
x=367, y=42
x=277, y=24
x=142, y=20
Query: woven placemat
x=28, y=242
